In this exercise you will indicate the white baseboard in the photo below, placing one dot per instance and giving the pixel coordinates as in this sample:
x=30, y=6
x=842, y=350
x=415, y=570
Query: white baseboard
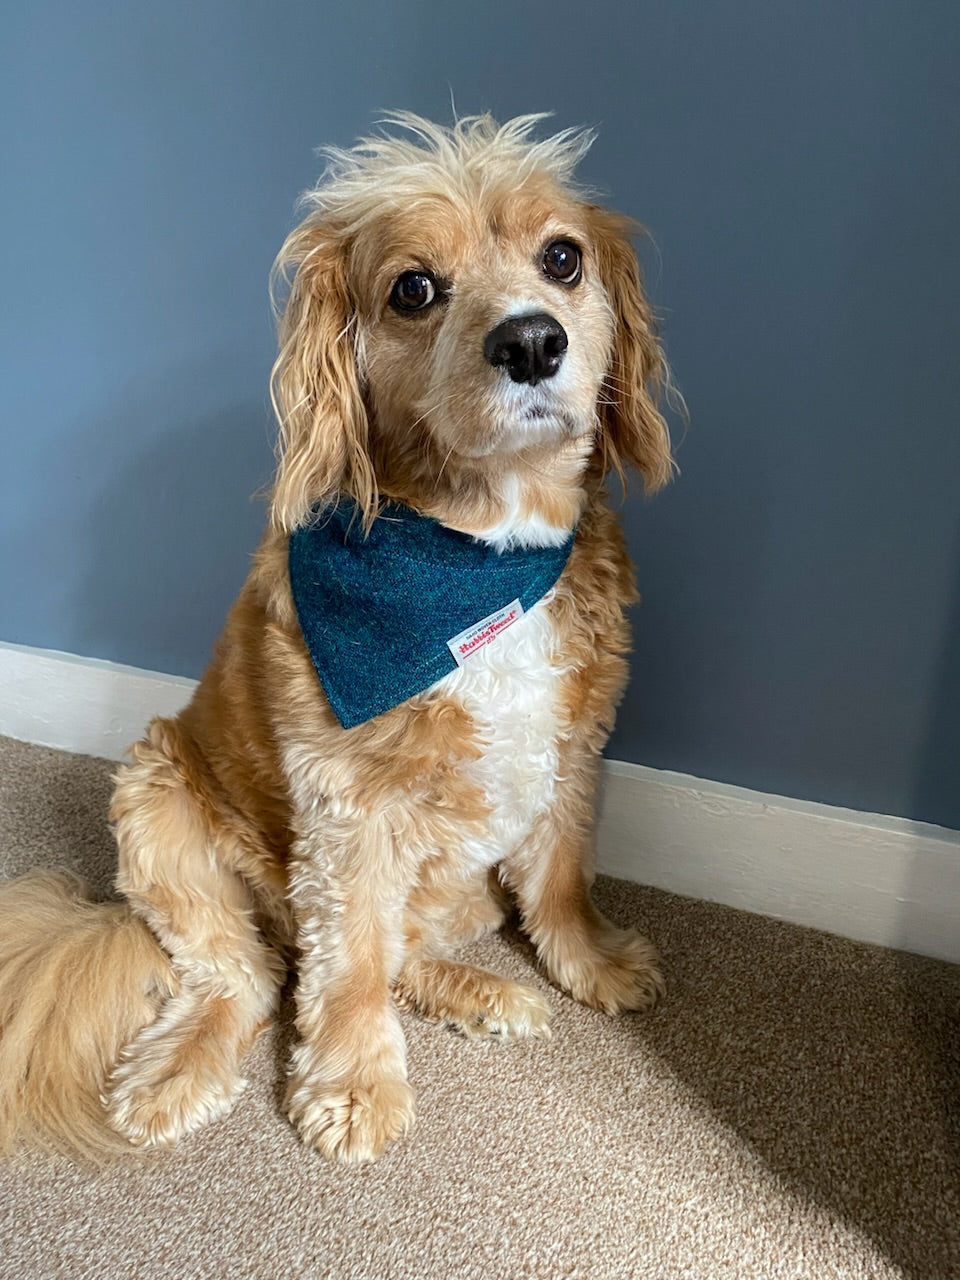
x=82, y=704
x=878, y=879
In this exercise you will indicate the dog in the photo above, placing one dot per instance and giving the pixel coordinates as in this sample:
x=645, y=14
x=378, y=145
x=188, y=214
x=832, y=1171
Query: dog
x=465, y=355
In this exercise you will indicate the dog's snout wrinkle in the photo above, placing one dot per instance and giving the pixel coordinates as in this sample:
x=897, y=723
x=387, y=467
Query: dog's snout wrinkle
x=530, y=347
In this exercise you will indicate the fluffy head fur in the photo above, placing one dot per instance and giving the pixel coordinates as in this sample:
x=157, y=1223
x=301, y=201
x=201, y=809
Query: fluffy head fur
x=374, y=402
x=252, y=826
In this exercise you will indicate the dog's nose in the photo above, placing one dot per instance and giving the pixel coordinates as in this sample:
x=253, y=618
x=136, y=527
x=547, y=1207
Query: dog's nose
x=528, y=347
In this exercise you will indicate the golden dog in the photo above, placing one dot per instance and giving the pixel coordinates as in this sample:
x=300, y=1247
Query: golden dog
x=465, y=338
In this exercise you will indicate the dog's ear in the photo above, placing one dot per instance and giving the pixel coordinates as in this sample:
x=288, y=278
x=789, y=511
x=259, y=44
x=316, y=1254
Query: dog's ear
x=634, y=430
x=315, y=385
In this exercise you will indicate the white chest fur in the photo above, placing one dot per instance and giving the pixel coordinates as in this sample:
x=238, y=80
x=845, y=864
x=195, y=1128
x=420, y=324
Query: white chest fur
x=509, y=689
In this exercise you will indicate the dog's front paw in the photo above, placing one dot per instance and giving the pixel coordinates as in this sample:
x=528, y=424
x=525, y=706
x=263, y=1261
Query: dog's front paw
x=614, y=970
x=352, y=1123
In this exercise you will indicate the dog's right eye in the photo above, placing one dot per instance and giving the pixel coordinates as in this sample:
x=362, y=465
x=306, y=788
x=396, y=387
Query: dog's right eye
x=413, y=291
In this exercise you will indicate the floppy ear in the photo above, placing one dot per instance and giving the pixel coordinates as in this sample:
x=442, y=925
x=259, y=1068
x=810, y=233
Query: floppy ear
x=315, y=385
x=634, y=430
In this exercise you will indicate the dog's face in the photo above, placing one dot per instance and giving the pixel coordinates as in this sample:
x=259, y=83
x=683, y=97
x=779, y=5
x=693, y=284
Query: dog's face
x=486, y=325
x=459, y=315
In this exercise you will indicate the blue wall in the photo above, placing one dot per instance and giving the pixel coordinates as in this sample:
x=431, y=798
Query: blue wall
x=797, y=165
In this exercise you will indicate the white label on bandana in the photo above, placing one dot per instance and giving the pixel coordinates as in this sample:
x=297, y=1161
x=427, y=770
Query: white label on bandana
x=469, y=642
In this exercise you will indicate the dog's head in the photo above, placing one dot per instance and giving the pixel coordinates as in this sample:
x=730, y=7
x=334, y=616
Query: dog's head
x=463, y=331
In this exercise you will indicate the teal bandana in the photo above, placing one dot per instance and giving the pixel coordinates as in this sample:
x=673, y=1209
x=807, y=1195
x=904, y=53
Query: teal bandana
x=387, y=616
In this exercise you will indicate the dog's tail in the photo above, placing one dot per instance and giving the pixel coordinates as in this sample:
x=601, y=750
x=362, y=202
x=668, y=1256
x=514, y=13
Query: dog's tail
x=78, y=980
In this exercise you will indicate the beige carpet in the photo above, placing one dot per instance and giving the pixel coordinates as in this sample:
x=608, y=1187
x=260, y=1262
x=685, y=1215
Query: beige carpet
x=792, y=1110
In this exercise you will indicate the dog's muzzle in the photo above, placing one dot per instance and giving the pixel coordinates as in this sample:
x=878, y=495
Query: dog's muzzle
x=530, y=348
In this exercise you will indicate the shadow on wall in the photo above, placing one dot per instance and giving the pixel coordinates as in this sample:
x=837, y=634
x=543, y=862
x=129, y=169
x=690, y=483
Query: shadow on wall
x=938, y=773
x=173, y=531
x=936, y=795
x=937, y=1027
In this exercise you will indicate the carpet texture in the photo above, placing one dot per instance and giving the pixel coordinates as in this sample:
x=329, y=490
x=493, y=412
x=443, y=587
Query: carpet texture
x=791, y=1110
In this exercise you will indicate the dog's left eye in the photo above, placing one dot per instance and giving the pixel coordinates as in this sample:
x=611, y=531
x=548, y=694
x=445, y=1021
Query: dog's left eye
x=562, y=261
x=413, y=291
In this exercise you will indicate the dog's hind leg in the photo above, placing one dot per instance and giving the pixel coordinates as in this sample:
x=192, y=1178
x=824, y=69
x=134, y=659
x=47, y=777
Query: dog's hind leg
x=442, y=916
x=177, y=872
x=475, y=1002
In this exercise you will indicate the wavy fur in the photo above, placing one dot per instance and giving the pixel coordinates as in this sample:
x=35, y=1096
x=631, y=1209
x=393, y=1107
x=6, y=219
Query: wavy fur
x=252, y=827
x=78, y=980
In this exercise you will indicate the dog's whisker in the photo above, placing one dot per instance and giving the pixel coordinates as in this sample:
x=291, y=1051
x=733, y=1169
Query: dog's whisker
x=443, y=467
x=433, y=409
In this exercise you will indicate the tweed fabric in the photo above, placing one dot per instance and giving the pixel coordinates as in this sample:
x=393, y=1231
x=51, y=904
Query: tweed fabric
x=377, y=611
